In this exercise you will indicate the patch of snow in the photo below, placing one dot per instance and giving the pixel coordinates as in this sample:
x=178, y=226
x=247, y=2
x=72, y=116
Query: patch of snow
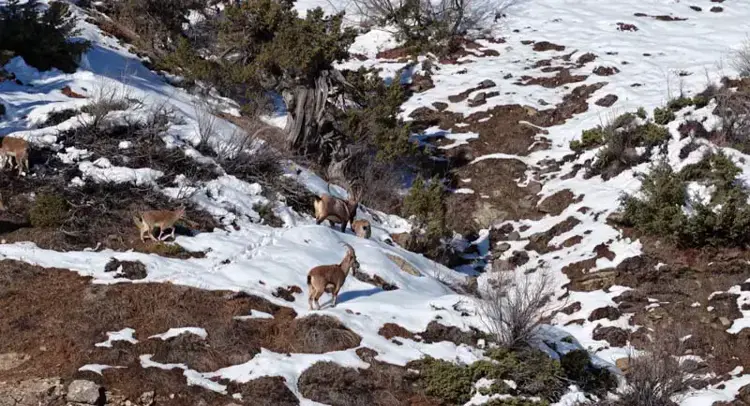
x=98, y=368
x=174, y=332
x=125, y=334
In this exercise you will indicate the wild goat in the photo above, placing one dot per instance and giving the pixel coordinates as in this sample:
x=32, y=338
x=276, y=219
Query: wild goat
x=163, y=219
x=330, y=278
x=17, y=148
x=336, y=210
x=362, y=228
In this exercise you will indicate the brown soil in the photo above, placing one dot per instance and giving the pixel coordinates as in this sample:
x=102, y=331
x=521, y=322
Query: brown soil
x=557, y=203
x=563, y=77
x=57, y=330
x=505, y=201
x=626, y=27
x=379, y=385
x=606, y=70
x=607, y=101
x=543, y=46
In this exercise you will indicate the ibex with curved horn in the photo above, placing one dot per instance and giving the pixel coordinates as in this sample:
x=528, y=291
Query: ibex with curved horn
x=330, y=278
x=335, y=210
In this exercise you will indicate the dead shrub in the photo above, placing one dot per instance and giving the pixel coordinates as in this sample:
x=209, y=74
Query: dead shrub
x=513, y=306
x=656, y=377
x=740, y=60
x=266, y=391
x=379, y=385
x=106, y=98
x=733, y=109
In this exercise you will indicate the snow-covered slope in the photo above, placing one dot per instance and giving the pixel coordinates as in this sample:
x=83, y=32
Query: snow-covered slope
x=657, y=61
x=256, y=259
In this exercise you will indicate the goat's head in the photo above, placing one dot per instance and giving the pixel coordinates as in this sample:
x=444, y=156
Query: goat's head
x=350, y=262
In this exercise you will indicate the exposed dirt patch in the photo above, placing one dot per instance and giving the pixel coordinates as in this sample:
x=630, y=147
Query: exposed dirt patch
x=563, y=77
x=58, y=330
x=557, y=203
x=266, y=391
x=585, y=58
x=379, y=385
x=606, y=70
x=132, y=270
x=390, y=330
x=375, y=280
x=626, y=27
x=504, y=200
x=543, y=46
x=540, y=242
x=607, y=101
x=661, y=17
x=399, y=53
x=681, y=295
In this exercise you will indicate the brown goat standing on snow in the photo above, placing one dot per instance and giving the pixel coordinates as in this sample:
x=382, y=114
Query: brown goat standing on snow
x=362, y=228
x=336, y=210
x=330, y=278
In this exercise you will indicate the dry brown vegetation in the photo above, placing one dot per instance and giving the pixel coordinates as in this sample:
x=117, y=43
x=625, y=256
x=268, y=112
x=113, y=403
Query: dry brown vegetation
x=58, y=330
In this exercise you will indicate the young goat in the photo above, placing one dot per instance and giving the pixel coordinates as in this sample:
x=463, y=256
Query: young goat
x=17, y=148
x=163, y=219
x=362, y=228
x=335, y=210
x=330, y=278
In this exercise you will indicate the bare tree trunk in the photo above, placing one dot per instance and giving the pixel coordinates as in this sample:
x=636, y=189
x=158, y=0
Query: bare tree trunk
x=306, y=105
x=309, y=127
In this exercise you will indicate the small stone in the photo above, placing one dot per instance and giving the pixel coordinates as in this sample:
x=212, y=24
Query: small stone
x=147, y=398
x=514, y=236
x=486, y=84
x=724, y=321
x=479, y=99
x=608, y=312
x=83, y=391
x=502, y=247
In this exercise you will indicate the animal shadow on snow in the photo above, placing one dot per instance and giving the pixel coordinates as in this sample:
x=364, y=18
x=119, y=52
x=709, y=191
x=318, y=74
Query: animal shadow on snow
x=353, y=294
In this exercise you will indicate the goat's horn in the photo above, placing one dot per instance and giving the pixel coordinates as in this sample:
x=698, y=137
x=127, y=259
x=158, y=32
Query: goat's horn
x=348, y=247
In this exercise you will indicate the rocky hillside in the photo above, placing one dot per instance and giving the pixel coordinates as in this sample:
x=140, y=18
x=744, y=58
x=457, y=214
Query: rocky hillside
x=582, y=240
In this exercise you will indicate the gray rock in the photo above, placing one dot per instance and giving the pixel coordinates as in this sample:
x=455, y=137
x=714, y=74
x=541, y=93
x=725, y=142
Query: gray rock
x=478, y=99
x=32, y=392
x=502, y=247
x=514, y=236
x=485, y=84
x=147, y=398
x=11, y=360
x=83, y=391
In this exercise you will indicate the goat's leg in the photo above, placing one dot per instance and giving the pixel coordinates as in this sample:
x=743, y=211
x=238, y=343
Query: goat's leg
x=343, y=227
x=335, y=296
x=173, y=233
x=319, y=221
